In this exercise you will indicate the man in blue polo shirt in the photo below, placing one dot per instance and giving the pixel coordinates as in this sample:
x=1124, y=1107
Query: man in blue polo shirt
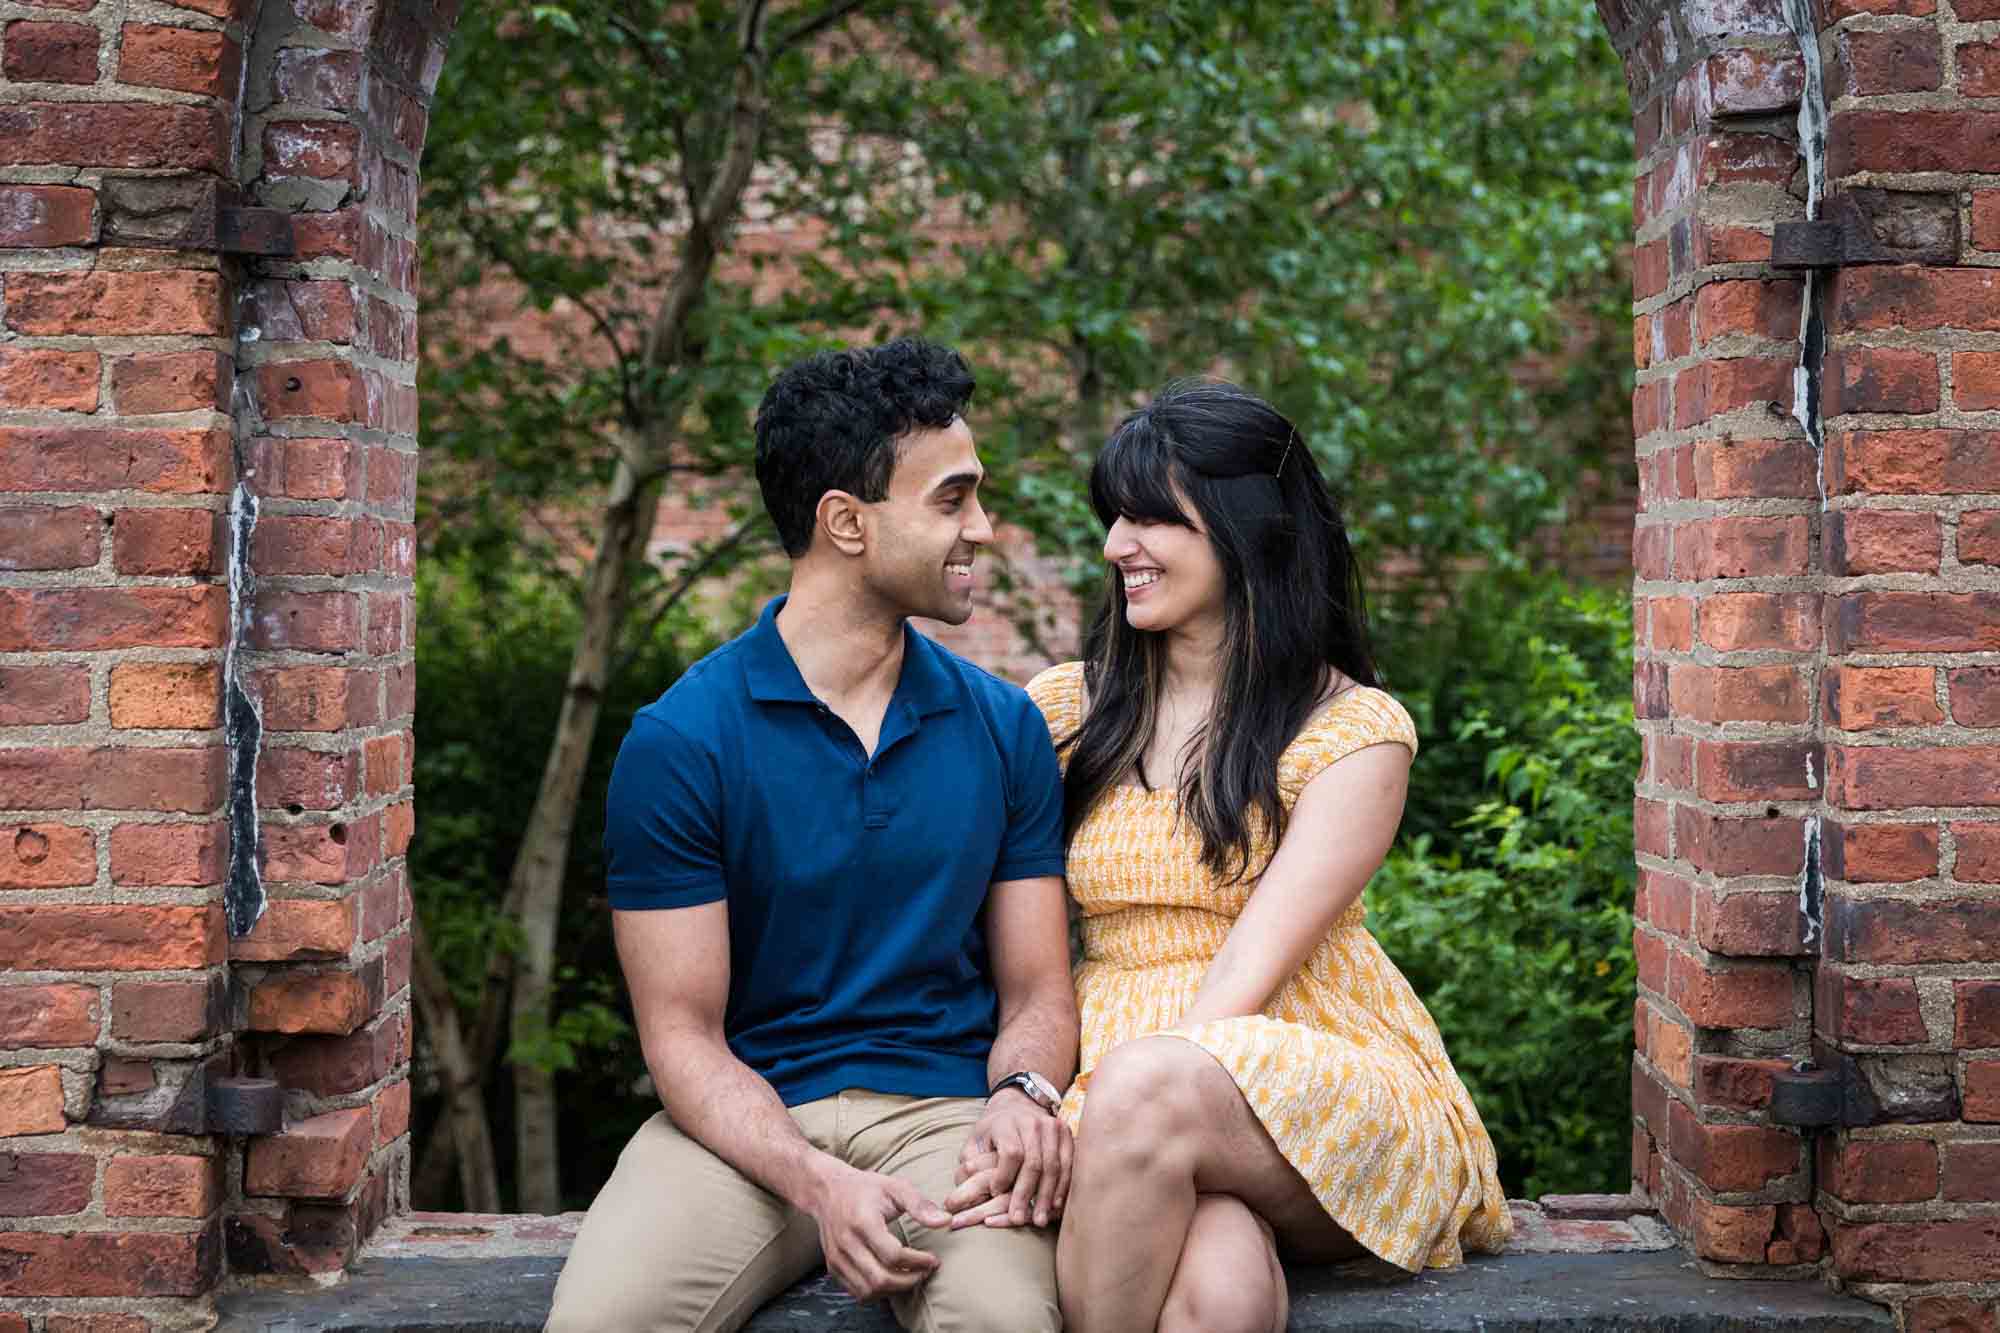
x=835, y=859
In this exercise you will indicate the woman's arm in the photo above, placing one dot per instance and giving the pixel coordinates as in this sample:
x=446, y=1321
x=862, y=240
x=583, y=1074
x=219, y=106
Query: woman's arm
x=1340, y=830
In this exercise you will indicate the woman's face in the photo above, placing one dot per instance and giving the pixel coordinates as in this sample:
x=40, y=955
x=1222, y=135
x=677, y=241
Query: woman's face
x=1172, y=578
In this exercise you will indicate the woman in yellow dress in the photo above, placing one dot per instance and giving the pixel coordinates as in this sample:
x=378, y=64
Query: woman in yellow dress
x=1256, y=1077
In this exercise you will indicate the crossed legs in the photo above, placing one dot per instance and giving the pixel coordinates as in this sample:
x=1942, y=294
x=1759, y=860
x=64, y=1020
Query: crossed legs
x=1180, y=1203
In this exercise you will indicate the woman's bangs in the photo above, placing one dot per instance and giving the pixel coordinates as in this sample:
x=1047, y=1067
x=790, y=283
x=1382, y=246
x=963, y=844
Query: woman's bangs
x=1134, y=478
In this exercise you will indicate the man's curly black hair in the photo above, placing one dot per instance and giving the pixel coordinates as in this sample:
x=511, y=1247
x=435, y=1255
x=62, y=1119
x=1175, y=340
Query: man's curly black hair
x=831, y=422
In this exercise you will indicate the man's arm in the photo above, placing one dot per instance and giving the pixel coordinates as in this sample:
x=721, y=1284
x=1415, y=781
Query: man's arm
x=676, y=964
x=1027, y=935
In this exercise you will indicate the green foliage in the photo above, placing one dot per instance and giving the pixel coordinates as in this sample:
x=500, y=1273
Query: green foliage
x=1509, y=902
x=493, y=649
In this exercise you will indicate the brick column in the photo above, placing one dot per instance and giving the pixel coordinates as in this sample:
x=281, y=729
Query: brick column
x=115, y=467
x=336, y=110
x=1727, y=627
x=1908, y=1003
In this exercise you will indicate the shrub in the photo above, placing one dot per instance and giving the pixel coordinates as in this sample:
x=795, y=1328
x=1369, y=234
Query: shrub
x=1508, y=901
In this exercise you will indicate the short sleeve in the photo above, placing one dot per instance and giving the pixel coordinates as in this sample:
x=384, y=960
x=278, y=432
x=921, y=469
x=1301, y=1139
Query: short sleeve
x=663, y=824
x=1360, y=718
x=1058, y=692
x=1033, y=843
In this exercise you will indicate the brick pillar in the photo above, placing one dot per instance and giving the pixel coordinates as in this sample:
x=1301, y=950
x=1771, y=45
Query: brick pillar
x=1908, y=997
x=114, y=475
x=148, y=365
x=1727, y=628
x=336, y=111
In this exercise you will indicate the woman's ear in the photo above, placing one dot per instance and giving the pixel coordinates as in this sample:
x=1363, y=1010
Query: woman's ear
x=839, y=515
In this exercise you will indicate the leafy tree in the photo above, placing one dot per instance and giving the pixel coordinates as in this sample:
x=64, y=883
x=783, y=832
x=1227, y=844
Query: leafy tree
x=1391, y=219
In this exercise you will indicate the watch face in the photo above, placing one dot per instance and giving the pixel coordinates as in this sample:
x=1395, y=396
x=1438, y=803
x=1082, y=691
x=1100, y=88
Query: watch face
x=1045, y=1090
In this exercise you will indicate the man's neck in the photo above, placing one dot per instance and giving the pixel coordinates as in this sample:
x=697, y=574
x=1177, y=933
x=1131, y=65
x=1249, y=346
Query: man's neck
x=845, y=645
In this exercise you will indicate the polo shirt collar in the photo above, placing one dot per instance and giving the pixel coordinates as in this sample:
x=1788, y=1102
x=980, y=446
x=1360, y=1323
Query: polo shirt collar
x=772, y=676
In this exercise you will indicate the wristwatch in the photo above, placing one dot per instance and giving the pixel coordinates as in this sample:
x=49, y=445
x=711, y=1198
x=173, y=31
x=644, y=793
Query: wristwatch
x=1034, y=1087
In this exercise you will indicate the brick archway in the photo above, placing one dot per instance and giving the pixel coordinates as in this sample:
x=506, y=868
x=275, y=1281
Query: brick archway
x=207, y=472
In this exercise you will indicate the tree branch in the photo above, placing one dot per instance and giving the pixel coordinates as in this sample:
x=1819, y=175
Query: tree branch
x=812, y=27
x=691, y=572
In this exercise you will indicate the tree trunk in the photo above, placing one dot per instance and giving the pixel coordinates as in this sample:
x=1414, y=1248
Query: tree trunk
x=464, y=1119
x=537, y=878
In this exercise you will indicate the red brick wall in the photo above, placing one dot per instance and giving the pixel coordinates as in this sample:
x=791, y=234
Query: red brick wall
x=1818, y=631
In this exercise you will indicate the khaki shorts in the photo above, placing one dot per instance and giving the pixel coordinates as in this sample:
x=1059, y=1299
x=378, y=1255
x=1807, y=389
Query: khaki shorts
x=679, y=1241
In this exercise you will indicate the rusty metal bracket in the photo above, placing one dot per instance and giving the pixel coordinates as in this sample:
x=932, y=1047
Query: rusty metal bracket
x=1872, y=226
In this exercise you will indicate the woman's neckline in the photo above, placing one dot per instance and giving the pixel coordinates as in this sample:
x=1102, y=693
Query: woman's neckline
x=1317, y=716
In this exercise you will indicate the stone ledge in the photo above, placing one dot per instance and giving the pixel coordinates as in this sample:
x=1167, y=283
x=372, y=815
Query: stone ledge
x=465, y=1273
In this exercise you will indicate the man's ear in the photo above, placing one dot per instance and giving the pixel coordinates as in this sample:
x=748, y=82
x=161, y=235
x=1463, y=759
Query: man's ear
x=839, y=516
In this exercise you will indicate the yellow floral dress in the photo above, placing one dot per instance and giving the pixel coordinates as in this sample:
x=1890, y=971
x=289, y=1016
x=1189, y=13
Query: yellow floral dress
x=1344, y=1066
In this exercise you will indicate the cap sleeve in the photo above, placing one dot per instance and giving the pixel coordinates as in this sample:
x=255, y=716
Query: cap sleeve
x=1058, y=692
x=1358, y=719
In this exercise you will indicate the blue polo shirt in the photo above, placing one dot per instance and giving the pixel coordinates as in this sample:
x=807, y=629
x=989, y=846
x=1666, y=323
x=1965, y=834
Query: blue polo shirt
x=856, y=884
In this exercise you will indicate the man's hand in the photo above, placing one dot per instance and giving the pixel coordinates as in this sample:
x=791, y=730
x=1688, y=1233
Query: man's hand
x=1014, y=1168
x=854, y=1209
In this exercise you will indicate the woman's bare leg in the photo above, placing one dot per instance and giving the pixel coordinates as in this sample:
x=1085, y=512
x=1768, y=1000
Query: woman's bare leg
x=1164, y=1123
x=1229, y=1279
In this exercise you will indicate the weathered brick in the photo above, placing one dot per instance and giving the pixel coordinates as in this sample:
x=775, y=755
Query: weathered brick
x=299, y=928
x=167, y=541
x=309, y=311
x=1879, y=853
x=1950, y=1314
x=383, y=764
x=392, y=478
x=171, y=382
x=1879, y=777
x=1976, y=1010
x=45, y=216
x=1979, y=537
x=324, y=1002
x=1972, y=1172
x=1732, y=1234
x=1986, y=220
x=162, y=1186
x=114, y=134
x=1751, y=923
x=1978, y=853
x=1880, y=379
x=51, y=696
x=46, y=856
x=45, y=1184
x=392, y=1112
x=1980, y=1090
x=1757, y=770
x=1714, y=388
x=1749, y=995
x=168, y=1010
x=318, y=1158
x=1740, y=1085
x=158, y=301
x=1901, y=930
x=1744, y=546
x=1740, y=621
x=1978, y=68
x=399, y=825
x=31, y=1101
x=1975, y=696
x=307, y=469
x=1882, y=541
x=168, y=854
x=1722, y=845
x=1880, y=1170
x=119, y=938
x=1862, y=698
x=320, y=853
x=300, y=779
x=323, y=622
x=1930, y=1251
x=1746, y=81
x=1909, y=141
x=331, y=1066
x=328, y=150
x=1732, y=1158
x=1754, y=469
x=189, y=59
x=40, y=52
x=178, y=695
x=1714, y=244
x=174, y=462
x=306, y=544
x=330, y=80
x=55, y=1015
x=46, y=379
x=105, y=1263
x=44, y=537
x=1878, y=1011
x=1915, y=462
x=1914, y=622
x=1976, y=380
x=1910, y=296
x=317, y=698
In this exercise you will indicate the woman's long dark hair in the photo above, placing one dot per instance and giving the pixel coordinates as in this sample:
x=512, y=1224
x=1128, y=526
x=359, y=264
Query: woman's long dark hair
x=1293, y=609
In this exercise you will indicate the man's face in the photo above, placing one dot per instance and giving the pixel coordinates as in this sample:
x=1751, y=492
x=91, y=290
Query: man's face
x=925, y=535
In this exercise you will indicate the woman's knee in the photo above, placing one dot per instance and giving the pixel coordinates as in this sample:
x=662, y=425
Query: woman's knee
x=1229, y=1279
x=1145, y=1092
